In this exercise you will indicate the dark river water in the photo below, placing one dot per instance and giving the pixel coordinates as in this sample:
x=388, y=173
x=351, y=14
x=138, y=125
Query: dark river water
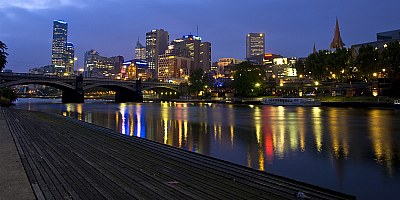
x=355, y=151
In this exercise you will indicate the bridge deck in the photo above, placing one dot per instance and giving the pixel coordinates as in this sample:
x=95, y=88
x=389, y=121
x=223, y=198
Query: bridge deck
x=65, y=159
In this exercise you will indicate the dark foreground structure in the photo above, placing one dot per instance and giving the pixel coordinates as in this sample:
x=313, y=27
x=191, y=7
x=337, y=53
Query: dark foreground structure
x=69, y=159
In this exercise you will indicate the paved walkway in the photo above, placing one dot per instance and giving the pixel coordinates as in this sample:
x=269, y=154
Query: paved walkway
x=70, y=159
x=14, y=183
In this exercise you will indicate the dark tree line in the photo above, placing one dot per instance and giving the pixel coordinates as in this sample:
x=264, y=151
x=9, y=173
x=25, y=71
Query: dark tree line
x=345, y=64
x=3, y=55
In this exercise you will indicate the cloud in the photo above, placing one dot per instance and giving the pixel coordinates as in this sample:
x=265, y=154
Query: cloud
x=40, y=4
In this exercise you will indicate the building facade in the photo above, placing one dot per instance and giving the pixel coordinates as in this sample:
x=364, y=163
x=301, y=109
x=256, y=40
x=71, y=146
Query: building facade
x=255, y=44
x=101, y=66
x=205, y=56
x=69, y=58
x=59, y=43
x=140, y=51
x=174, y=68
x=191, y=46
x=382, y=40
x=156, y=44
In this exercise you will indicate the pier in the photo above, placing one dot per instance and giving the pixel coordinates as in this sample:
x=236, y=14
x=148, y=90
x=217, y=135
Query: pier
x=65, y=158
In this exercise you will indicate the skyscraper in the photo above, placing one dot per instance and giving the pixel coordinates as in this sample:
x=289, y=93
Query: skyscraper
x=255, y=44
x=156, y=44
x=190, y=46
x=140, y=51
x=59, y=44
x=69, y=58
x=205, y=56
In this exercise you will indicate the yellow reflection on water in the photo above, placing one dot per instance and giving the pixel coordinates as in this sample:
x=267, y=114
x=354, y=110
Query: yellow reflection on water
x=292, y=127
x=317, y=124
x=339, y=133
x=257, y=124
x=79, y=111
x=381, y=139
x=301, y=128
x=164, y=117
x=278, y=131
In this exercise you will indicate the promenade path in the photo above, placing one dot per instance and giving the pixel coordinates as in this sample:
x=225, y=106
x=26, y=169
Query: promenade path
x=69, y=159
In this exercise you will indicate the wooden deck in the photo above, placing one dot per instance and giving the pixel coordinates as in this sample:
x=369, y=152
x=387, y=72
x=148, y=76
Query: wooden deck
x=70, y=159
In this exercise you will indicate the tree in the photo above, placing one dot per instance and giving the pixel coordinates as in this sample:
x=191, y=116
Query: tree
x=3, y=55
x=198, y=81
x=367, y=61
x=300, y=66
x=390, y=59
x=248, y=80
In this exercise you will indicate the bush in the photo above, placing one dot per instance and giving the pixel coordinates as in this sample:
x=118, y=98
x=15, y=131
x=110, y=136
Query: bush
x=7, y=97
x=5, y=102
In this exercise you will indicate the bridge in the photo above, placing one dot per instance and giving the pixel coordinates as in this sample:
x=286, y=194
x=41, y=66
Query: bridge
x=74, y=87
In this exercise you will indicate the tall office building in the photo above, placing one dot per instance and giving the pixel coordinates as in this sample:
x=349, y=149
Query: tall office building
x=156, y=44
x=205, y=56
x=140, y=51
x=59, y=44
x=255, y=44
x=190, y=46
x=69, y=58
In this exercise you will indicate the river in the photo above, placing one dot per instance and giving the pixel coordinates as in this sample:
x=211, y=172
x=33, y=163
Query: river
x=355, y=151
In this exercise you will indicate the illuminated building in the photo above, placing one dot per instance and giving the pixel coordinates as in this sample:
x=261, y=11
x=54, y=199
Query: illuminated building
x=174, y=67
x=205, y=56
x=283, y=68
x=382, y=40
x=69, y=58
x=156, y=44
x=59, y=43
x=140, y=51
x=190, y=46
x=223, y=62
x=255, y=44
x=101, y=66
x=133, y=70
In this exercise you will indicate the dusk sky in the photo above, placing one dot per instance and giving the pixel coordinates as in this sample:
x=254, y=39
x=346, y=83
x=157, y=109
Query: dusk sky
x=112, y=27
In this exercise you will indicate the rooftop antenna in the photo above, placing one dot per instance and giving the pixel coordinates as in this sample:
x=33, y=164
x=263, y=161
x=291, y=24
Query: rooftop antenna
x=197, y=30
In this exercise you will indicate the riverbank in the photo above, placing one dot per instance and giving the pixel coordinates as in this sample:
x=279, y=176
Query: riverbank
x=67, y=158
x=355, y=102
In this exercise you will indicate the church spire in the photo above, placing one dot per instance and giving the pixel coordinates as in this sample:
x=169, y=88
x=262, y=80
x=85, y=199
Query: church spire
x=337, y=42
x=314, y=50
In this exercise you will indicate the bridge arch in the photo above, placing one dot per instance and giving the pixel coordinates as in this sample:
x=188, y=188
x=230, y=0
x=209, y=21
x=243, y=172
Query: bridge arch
x=56, y=84
x=123, y=93
x=161, y=87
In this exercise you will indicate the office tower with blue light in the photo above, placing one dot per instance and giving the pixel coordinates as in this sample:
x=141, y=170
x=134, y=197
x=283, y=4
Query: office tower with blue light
x=59, y=44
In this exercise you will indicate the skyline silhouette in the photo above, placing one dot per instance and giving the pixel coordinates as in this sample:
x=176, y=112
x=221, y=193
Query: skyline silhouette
x=112, y=27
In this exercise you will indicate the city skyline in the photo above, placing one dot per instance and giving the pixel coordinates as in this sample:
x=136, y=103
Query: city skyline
x=290, y=30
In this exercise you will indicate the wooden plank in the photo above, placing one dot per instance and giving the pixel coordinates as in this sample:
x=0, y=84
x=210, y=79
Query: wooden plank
x=66, y=158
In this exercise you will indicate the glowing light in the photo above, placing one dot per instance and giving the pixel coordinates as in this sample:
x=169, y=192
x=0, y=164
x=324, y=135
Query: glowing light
x=316, y=83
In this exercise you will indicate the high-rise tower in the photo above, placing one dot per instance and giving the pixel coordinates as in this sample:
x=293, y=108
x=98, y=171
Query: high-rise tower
x=337, y=42
x=156, y=44
x=140, y=51
x=69, y=58
x=255, y=44
x=59, y=44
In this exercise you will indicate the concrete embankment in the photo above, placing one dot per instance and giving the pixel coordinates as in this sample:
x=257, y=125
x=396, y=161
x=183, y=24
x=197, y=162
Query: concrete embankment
x=69, y=159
